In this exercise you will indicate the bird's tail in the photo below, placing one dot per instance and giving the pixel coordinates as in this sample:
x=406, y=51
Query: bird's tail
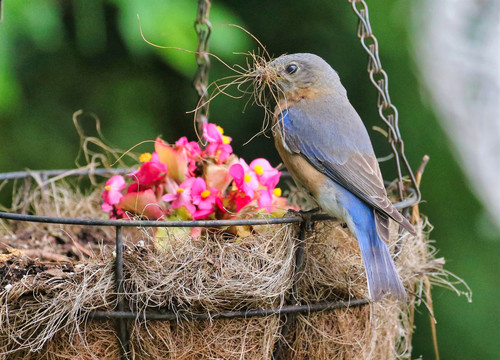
x=380, y=269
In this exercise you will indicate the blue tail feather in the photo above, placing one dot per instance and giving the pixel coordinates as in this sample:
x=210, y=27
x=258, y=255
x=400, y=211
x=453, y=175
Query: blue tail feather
x=380, y=269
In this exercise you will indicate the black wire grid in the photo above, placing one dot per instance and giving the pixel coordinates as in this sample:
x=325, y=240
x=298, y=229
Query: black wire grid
x=122, y=315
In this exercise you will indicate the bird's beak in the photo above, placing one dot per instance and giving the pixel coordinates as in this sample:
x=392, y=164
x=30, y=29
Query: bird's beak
x=263, y=75
x=259, y=77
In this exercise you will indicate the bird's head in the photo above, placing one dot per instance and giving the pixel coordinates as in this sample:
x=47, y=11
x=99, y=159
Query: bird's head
x=296, y=74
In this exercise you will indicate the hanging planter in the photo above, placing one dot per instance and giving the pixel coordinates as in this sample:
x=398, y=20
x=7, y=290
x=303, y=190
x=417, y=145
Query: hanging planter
x=217, y=295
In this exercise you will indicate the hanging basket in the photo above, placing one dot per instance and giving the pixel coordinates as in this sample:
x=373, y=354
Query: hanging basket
x=295, y=289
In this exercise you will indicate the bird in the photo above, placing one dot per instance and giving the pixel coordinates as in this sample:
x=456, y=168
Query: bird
x=327, y=150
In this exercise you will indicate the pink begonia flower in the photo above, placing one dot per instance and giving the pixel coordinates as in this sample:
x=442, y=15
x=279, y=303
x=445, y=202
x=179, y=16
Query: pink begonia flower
x=266, y=174
x=241, y=201
x=175, y=159
x=218, y=143
x=234, y=198
x=193, y=152
x=192, y=148
x=203, y=197
x=181, y=196
x=143, y=203
x=112, y=192
x=212, y=133
x=134, y=187
x=264, y=198
x=150, y=172
x=257, y=181
x=202, y=213
x=245, y=178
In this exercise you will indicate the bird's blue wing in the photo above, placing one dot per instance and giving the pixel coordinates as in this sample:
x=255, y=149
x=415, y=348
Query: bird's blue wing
x=341, y=149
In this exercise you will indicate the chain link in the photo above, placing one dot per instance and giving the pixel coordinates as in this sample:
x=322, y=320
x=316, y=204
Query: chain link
x=387, y=111
x=203, y=29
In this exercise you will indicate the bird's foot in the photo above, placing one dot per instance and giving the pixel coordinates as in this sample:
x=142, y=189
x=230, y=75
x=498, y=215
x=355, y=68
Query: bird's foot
x=310, y=211
x=306, y=215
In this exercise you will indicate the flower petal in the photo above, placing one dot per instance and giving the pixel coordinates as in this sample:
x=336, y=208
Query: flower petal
x=238, y=174
x=176, y=161
x=143, y=203
x=211, y=133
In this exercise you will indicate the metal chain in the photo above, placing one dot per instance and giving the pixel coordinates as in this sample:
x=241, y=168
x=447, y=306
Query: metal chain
x=387, y=111
x=203, y=29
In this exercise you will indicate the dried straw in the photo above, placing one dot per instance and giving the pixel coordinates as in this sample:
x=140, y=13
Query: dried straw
x=44, y=306
x=251, y=339
x=214, y=272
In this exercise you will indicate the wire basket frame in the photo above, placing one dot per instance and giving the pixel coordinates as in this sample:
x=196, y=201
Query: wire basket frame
x=122, y=315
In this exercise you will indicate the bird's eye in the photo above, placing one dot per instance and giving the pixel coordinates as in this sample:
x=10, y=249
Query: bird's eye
x=292, y=68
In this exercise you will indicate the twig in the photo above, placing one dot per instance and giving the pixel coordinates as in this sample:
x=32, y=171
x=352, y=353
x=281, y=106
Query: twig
x=416, y=220
x=43, y=254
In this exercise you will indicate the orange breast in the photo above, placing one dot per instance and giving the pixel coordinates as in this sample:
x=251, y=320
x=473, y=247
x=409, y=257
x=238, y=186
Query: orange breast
x=293, y=97
x=302, y=172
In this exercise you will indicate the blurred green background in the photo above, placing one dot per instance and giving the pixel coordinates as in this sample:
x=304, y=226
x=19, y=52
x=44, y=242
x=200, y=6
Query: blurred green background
x=57, y=57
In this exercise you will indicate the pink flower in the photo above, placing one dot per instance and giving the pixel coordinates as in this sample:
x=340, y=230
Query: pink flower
x=194, y=196
x=194, y=182
x=218, y=143
x=175, y=159
x=181, y=196
x=278, y=200
x=202, y=213
x=112, y=192
x=264, y=198
x=241, y=200
x=266, y=174
x=150, y=172
x=142, y=203
x=233, y=202
x=257, y=181
x=245, y=178
x=192, y=150
x=203, y=197
x=212, y=133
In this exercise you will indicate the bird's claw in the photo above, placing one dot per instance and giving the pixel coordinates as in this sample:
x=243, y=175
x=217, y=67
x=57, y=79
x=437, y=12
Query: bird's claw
x=303, y=213
x=306, y=215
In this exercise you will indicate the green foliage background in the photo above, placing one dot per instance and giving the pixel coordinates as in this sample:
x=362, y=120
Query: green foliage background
x=57, y=57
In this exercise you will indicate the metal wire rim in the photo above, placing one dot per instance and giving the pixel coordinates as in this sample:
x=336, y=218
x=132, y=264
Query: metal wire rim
x=46, y=174
x=245, y=314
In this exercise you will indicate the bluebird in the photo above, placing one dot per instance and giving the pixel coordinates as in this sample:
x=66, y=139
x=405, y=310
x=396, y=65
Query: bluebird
x=326, y=148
